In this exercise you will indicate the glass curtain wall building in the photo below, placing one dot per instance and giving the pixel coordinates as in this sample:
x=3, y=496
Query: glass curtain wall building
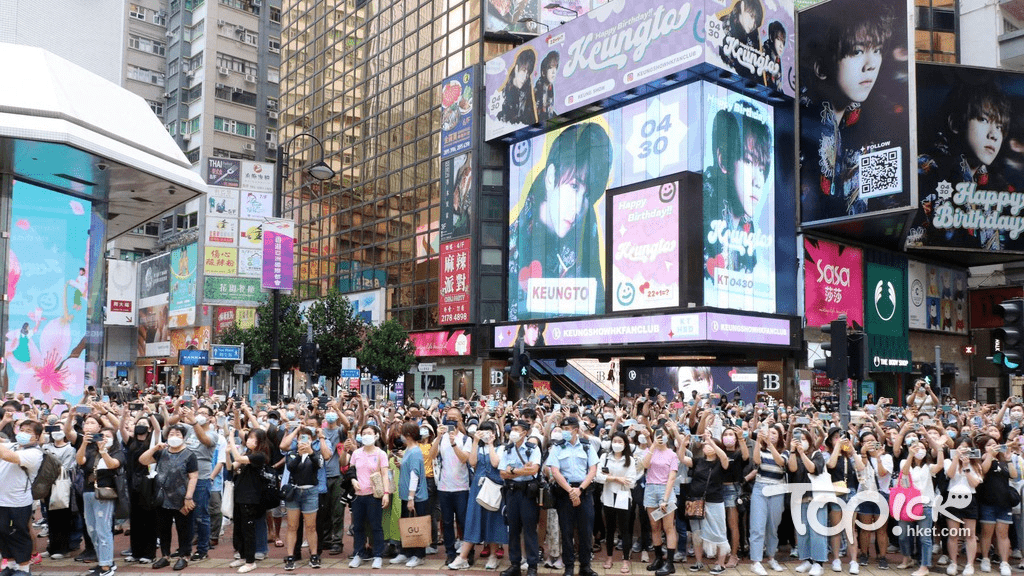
x=363, y=77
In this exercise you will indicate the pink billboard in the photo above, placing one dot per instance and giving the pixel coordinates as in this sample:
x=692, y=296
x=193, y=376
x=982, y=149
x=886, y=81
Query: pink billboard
x=833, y=283
x=645, y=248
x=443, y=343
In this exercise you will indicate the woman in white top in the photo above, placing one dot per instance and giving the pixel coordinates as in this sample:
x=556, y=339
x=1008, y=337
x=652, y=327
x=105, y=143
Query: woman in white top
x=964, y=476
x=616, y=470
x=923, y=397
x=922, y=463
x=873, y=477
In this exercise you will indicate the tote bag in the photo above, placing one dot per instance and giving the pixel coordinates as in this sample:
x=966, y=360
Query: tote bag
x=60, y=495
x=905, y=502
x=489, y=496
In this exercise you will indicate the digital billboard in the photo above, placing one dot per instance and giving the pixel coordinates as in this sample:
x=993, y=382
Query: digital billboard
x=885, y=312
x=856, y=113
x=122, y=287
x=833, y=283
x=753, y=39
x=971, y=161
x=645, y=248
x=456, y=196
x=457, y=93
x=184, y=264
x=739, y=202
x=557, y=197
x=154, y=300
x=734, y=382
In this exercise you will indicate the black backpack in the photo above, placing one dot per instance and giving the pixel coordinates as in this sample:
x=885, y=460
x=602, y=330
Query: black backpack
x=49, y=471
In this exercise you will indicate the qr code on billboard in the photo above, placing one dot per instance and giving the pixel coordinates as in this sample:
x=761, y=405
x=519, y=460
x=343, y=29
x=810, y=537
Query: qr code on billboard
x=881, y=173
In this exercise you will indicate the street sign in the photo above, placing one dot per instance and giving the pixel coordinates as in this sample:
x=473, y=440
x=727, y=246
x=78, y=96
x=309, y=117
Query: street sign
x=426, y=367
x=970, y=350
x=242, y=369
x=350, y=373
x=225, y=353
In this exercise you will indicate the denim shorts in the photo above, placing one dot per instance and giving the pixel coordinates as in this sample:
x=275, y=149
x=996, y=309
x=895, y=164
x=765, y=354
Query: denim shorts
x=992, y=514
x=653, y=495
x=730, y=492
x=845, y=498
x=871, y=508
x=307, y=500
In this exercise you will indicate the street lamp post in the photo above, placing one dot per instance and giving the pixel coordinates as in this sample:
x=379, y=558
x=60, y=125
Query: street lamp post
x=320, y=171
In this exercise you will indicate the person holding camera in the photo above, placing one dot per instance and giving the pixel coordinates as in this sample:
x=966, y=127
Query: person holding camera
x=99, y=456
x=177, y=472
x=618, y=474
x=573, y=465
x=520, y=466
x=450, y=453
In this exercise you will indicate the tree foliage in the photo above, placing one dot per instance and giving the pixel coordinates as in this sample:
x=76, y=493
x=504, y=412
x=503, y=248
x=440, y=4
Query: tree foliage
x=291, y=330
x=336, y=329
x=387, y=352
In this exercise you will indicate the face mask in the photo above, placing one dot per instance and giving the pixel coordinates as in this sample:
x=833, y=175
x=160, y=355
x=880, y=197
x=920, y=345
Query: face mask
x=273, y=421
x=952, y=434
x=141, y=430
x=609, y=417
x=921, y=454
x=605, y=445
x=305, y=439
x=729, y=441
x=488, y=437
x=201, y=420
x=175, y=441
x=23, y=438
x=368, y=439
x=424, y=433
x=514, y=436
x=805, y=445
x=331, y=417
x=910, y=440
x=1016, y=416
x=290, y=415
x=371, y=422
x=642, y=440
x=109, y=443
x=472, y=429
x=557, y=438
x=57, y=436
x=618, y=447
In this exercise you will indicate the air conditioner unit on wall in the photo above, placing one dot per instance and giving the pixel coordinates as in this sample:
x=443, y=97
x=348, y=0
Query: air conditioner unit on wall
x=222, y=23
x=185, y=137
x=272, y=115
x=224, y=70
x=250, y=78
x=249, y=147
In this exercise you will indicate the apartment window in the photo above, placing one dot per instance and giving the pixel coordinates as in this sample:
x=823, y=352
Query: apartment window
x=275, y=45
x=146, y=45
x=172, y=67
x=192, y=94
x=275, y=15
x=273, y=75
x=172, y=97
x=159, y=18
x=147, y=229
x=236, y=65
x=234, y=127
x=145, y=75
x=137, y=12
x=156, y=107
x=193, y=124
x=195, y=62
x=195, y=32
x=235, y=95
x=172, y=128
x=186, y=221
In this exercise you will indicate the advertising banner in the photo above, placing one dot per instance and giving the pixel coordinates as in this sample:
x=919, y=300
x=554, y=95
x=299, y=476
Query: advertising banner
x=154, y=298
x=250, y=262
x=443, y=343
x=223, y=202
x=197, y=338
x=245, y=317
x=739, y=203
x=257, y=176
x=606, y=51
x=223, y=318
x=833, y=283
x=946, y=299
x=230, y=289
x=526, y=17
x=970, y=168
x=250, y=234
x=917, y=305
x=457, y=94
x=278, y=254
x=221, y=231
x=223, y=172
x=556, y=248
x=122, y=286
x=456, y=196
x=184, y=264
x=734, y=382
x=220, y=261
x=856, y=113
x=885, y=312
x=369, y=305
x=256, y=205
x=645, y=248
x=454, y=288
x=753, y=39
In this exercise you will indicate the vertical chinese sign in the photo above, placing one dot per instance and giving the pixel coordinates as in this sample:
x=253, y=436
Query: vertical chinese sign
x=453, y=299
x=278, y=258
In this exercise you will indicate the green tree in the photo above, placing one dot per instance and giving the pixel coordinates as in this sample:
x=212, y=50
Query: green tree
x=240, y=336
x=387, y=352
x=291, y=330
x=336, y=329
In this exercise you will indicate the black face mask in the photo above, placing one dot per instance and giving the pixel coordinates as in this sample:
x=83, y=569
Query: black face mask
x=141, y=430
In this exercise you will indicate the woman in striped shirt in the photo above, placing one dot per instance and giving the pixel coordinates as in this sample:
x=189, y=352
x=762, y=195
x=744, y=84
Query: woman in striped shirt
x=766, y=511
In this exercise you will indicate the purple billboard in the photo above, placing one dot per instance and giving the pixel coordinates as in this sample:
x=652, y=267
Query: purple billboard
x=278, y=258
x=645, y=248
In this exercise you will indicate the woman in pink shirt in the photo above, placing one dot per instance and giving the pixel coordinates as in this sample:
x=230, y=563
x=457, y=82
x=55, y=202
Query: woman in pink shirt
x=369, y=460
x=662, y=464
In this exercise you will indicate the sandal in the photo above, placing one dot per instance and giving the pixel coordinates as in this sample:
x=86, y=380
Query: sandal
x=733, y=562
x=607, y=564
x=625, y=567
x=278, y=543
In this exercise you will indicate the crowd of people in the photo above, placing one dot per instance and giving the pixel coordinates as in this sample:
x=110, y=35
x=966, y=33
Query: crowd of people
x=558, y=482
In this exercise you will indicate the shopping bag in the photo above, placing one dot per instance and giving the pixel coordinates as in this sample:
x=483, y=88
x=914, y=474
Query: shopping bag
x=60, y=495
x=415, y=531
x=227, y=500
x=905, y=502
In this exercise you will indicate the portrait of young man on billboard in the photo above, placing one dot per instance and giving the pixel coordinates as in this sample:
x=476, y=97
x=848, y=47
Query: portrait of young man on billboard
x=854, y=110
x=555, y=261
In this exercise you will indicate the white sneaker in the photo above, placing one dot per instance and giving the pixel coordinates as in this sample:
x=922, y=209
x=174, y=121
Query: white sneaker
x=261, y=555
x=680, y=556
x=356, y=561
x=1016, y=555
x=986, y=565
x=459, y=563
x=774, y=565
x=758, y=569
x=400, y=559
x=951, y=570
x=645, y=557
x=854, y=567
x=969, y=570
x=816, y=570
x=943, y=560
x=247, y=568
x=236, y=563
x=492, y=562
x=431, y=550
x=1004, y=569
x=377, y=563
x=414, y=562
x=805, y=567
x=837, y=565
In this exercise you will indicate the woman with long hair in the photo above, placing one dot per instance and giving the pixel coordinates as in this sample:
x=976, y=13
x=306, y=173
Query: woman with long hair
x=371, y=466
x=770, y=457
x=483, y=526
x=303, y=464
x=706, y=473
x=924, y=461
x=99, y=456
x=739, y=455
x=994, y=499
x=412, y=489
x=248, y=467
x=662, y=465
x=617, y=472
x=964, y=476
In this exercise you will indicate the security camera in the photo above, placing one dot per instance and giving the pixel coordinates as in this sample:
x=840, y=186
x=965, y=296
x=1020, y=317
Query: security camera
x=102, y=166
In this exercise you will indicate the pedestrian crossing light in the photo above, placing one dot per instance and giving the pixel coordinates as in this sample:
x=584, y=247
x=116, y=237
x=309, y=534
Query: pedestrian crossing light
x=835, y=363
x=1010, y=336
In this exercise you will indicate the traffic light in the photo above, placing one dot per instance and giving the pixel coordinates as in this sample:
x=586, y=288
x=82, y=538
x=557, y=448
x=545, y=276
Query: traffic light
x=309, y=360
x=857, y=351
x=1010, y=336
x=835, y=362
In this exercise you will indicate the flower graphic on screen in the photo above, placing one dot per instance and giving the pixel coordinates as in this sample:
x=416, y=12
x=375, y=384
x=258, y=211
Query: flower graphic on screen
x=49, y=370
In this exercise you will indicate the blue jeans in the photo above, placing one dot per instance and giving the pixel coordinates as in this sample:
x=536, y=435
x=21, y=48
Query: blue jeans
x=813, y=544
x=262, y=547
x=765, y=516
x=923, y=533
x=366, y=509
x=99, y=521
x=453, y=509
x=201, y=515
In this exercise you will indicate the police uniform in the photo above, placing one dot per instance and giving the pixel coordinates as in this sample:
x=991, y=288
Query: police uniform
x=521, y=511
x=574, y=461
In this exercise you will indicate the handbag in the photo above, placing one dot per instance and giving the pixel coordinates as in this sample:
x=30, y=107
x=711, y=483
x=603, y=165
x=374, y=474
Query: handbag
x=695, y=507
x=106, y=493
x=227, y=500
x=60, y=494
x=377, y=483
x=415, y=531
x=270, y=495
x=289, y=492
x=489, y=496
x=123, y=507
x=905, y=503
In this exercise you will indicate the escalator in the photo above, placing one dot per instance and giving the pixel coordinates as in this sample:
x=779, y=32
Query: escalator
x=568, y=379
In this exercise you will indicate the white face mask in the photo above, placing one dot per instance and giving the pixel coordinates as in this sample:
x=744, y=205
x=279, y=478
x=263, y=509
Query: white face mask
x=618, y=447
x=424, y=434
x=368, y=439
x=514, y=436
x=57, y=436
x=557, y=436
x=201, y=420
x=175, y=441
x=642, y=440
x=921, y=454
x=109, y=443
x=805, y=445
x=471, y=429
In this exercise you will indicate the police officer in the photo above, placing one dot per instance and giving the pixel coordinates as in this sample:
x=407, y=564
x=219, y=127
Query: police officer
x=573, y=465
x=520, y=465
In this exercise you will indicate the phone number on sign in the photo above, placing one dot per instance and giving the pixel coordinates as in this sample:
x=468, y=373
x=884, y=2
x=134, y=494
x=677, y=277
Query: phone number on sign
x=461, y=317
